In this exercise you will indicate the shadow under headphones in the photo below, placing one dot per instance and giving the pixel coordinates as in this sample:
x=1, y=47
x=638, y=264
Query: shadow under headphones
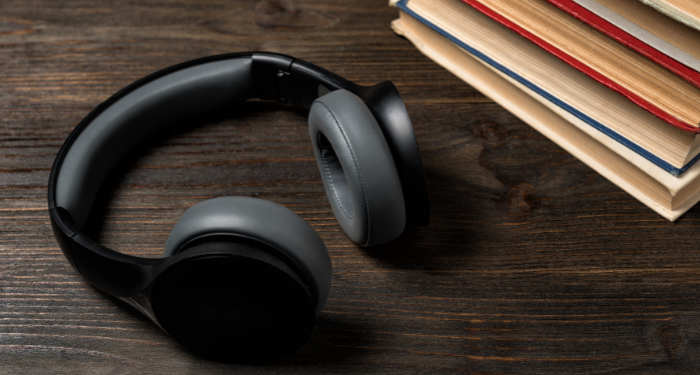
x=242, y=278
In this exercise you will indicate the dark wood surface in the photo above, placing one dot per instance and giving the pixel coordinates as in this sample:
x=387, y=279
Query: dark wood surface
x=532, y=263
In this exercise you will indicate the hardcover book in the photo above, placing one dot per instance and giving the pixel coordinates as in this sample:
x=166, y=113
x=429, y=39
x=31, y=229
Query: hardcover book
x=671, y=44
x=647, y=84
x=569, y=107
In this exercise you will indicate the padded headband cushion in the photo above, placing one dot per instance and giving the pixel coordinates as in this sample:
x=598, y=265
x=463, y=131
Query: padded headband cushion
x=357, y=169
x=137, y=116
x=265, y=221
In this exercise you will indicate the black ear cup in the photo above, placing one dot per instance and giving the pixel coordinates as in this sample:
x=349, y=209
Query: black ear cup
x=357, y=168
x=232, y=301
x=263, y=222
x=245, y=281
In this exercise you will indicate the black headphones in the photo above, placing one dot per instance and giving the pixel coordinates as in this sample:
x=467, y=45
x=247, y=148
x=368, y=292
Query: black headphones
x=242, y=278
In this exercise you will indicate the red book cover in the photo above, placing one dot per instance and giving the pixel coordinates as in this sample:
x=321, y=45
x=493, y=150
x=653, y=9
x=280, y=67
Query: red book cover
x=582, y=67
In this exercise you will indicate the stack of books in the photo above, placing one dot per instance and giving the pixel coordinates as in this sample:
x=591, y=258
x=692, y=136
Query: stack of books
x=614, y=82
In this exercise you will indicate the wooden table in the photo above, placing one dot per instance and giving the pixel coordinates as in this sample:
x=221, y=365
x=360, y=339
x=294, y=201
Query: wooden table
x=532, y=263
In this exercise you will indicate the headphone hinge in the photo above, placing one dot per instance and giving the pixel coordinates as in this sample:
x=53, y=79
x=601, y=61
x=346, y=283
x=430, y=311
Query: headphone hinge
x=271, y=76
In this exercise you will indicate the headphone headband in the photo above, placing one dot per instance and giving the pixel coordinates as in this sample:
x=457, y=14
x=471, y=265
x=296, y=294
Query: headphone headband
x=236, y=77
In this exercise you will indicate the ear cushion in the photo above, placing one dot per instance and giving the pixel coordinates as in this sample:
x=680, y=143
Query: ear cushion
x=265, y=221
x=357, y=169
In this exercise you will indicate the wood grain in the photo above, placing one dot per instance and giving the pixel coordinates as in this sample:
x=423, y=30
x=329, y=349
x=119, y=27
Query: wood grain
x=532, y=264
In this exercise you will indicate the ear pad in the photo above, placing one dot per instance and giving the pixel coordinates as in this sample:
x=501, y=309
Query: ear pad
x=357, y=169
x=231, y=301
x=265, y=221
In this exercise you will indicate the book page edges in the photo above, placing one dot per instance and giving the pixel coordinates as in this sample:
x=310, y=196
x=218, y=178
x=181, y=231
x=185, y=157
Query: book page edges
x=672, y=10
x=490, y=28
x=559, y=82
x=635, y=181
x=641, y=32
x=642, y=81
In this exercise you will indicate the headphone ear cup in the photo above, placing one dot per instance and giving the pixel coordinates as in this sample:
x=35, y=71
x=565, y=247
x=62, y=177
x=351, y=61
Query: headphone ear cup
x=357, y=169
x=263, y=221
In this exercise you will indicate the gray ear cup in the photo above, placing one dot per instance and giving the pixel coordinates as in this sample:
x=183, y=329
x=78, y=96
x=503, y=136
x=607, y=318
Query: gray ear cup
x=357, y=169
x=264, y=221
